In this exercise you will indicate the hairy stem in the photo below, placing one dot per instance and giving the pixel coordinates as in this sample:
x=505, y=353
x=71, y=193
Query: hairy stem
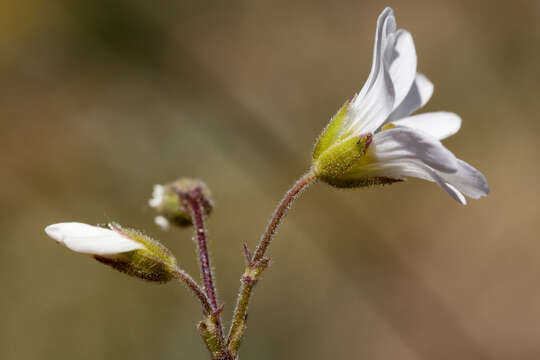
x=258, y=262
x=280, y=213
x=193, y=200
x=181, y=275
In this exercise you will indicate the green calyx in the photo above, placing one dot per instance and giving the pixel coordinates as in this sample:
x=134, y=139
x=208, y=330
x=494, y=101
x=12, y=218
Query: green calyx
x=331, y=133
x=333, y=164
x=172, y=208
x=153, y=263
x=338, y=157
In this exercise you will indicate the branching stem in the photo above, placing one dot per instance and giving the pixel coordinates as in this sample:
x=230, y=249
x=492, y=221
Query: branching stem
x=258, y=262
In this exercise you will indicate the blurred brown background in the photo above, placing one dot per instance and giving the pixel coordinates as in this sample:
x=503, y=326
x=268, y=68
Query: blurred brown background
x=101, y=99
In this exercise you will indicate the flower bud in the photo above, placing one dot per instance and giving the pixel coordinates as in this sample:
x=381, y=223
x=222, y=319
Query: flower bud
x=126, y=250
x=166, y=201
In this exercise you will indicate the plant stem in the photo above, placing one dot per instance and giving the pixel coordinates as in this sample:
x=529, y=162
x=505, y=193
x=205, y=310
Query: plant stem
x=181, y=275
x=209, y=327
x=280, y=213
x=193, y=200
x=259, y=262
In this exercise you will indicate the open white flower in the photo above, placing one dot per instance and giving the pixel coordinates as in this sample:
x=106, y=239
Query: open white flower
x=373, y=139
x=91, y=240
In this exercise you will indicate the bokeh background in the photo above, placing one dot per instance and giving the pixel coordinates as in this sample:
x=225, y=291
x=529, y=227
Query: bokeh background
x=101, y=99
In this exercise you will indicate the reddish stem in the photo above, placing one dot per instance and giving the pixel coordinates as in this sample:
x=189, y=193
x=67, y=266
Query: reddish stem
x=193, y=200
x=280, y=213
x=196, y=289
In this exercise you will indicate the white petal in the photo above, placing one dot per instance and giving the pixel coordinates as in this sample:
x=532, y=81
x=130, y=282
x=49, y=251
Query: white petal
x=403, y=152
x=402, y=143
x=162, y=222
x=455, y=194
x=468, y=180
x=369, y=112
x=372, y=105
x=391, y=78
x=385, y=18
x=401, y=57
x=449, y=188
x=465, y=181
x=399, y=169
x=440, y=124
x=451, y=183
x=91, y=240
x=418, y=96
x=157, y=196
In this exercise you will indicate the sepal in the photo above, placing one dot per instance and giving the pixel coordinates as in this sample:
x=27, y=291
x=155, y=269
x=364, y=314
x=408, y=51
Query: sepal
x=154, y=262
x=332, y=165
x=331, y=133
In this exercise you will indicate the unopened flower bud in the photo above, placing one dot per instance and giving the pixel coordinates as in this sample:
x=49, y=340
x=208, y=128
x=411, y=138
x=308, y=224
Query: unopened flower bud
x=166, y=201
x=126, y=250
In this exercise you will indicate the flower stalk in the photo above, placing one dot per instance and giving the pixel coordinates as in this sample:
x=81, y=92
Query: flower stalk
x=257, y=263
x=192, y=285
x=280, y=213
x=193, y=201
x=211, y=328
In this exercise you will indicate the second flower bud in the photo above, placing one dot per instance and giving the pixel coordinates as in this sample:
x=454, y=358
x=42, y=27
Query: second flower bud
x=166, y=201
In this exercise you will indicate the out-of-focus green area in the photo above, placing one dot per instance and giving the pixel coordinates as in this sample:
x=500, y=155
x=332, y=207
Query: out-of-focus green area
x=101, y=99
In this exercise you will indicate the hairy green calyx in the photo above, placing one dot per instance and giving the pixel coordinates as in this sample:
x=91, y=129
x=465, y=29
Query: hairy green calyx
x=153, y=263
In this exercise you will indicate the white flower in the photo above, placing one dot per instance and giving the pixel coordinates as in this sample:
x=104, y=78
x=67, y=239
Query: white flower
x=91, y=240
x=374, y=139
